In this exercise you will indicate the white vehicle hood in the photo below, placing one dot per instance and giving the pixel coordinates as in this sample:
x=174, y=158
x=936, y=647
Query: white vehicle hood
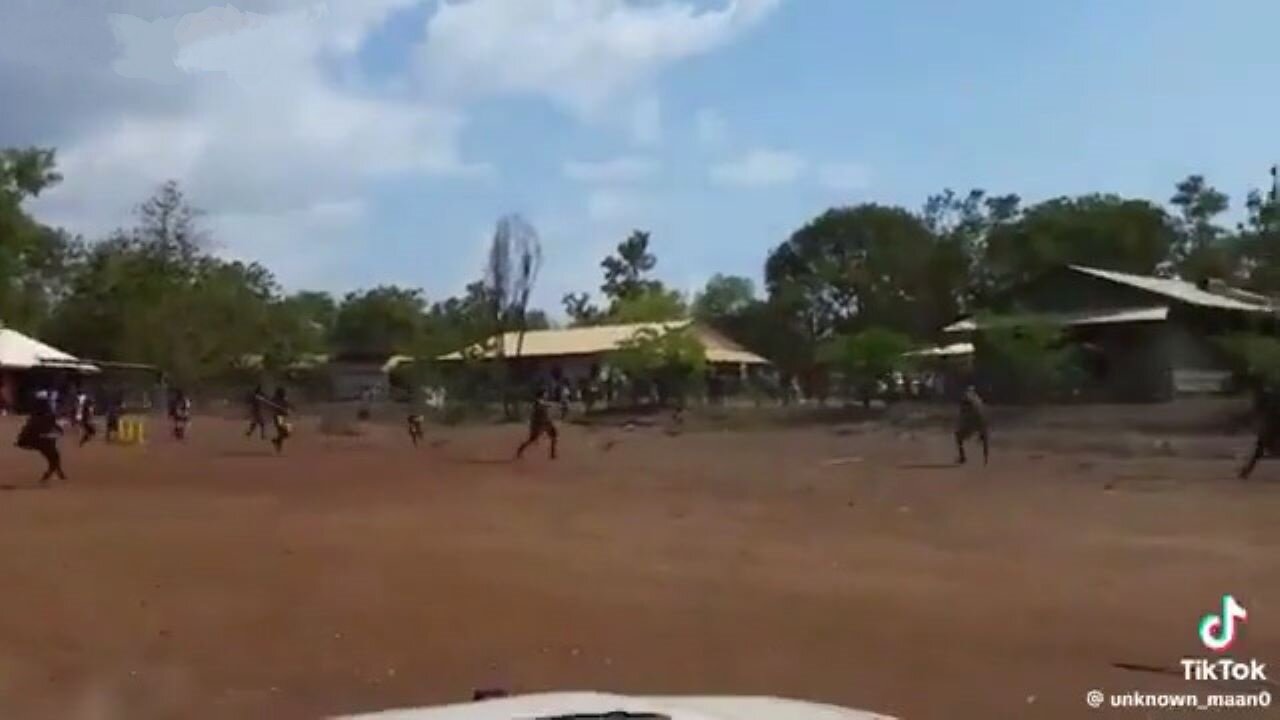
x=692, y=707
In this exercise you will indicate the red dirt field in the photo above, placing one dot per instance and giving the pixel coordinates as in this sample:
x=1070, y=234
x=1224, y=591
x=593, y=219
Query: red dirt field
x=218, y=580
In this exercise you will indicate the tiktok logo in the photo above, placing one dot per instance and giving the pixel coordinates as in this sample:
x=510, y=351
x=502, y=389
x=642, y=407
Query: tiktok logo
x=1218, y=632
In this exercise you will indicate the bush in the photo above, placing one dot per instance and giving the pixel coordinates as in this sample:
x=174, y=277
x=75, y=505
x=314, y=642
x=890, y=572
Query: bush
x=866, y=358
x=1029, y=359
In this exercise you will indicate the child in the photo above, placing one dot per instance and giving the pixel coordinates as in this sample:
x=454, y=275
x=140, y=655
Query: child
x=180, y=414
x=973, y=419
x=415, y=427
x=540, y=424
x=257, y=399
x=1268, y=440
x=85, y=410
x=40, y=433
x=280, y=415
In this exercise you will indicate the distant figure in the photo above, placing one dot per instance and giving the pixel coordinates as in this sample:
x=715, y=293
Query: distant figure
x=115, y=407
x=540, y=424
x=973, y=419
x=1268, y=440
x=417, y=415
x=40, y=433
x=257, y=400
x=180, y=413
x=85, y=411
x=280, y=415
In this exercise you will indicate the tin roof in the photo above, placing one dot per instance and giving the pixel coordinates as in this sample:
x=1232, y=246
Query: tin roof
x=1097, y=317
x=599, y=339
x=1183, y=291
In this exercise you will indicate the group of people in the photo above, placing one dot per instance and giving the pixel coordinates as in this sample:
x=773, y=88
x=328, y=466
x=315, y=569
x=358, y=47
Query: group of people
x=278, y=407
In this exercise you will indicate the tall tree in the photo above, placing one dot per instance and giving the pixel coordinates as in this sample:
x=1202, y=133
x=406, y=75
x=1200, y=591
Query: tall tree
x=624, y=272
x=515, y=257
x=383, y=320
x=723, y=296
x=35, y=260
x=1260, y=236
x=1199, y=251
x=580, y=310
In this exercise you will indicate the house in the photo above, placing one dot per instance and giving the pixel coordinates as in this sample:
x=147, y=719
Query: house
x=356, y=375
x=28, y=365
x=1144, y=338
x=575, y=352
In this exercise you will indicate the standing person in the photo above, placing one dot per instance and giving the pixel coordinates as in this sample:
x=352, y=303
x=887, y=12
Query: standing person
x=972, y=419
x=417, y=414
x=540, y=423
x=115, y=407
x=180, y=413
x=280, y=417
x=40, y=433
x=1267, y=406
x=257, y=399
x=85, y=411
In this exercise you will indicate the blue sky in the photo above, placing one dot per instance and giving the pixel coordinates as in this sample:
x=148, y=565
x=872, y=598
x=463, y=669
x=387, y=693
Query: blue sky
x=347, y=144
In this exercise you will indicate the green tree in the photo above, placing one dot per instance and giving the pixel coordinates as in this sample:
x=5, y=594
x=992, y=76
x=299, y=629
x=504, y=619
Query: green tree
x=624, y=273
x=672, y=360
x=1259, y=237
x=1100, y=230
x=1028, y=357
x=866, y=358
x=385, y=319
x=580, y=310
x=723, y=296
x=1200, y=250
x=35, y=260
x=652, y=304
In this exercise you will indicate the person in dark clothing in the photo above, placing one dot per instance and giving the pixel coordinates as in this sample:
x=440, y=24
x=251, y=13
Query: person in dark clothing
x=180, y=413
x=115, y=408
x=972, y=420
x=415, y=421
x=280, y=416
x=540, y=424
x=1267, y=406
x=257, y=401
x=85, y=417
x=40, y=433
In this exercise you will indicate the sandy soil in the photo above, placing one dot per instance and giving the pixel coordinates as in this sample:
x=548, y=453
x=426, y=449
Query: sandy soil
x=216, y=579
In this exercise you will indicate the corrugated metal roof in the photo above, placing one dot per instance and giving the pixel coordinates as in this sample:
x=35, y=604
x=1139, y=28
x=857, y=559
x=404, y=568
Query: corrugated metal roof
x=1179, y=290
x=1151, y=314
x=599, y=339
x=952, y=350
x=19, y=351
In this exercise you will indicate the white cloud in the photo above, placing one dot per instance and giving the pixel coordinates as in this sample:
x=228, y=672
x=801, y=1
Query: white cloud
x=712, y=130
x=605, y=205
x=760, y=168
x=620, y=169
x=581, y=54
x=257, y=131
x=844, y=176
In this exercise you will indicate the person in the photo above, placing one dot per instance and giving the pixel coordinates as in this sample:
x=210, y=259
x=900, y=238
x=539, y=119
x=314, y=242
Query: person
x=180, y=413
x=972, y=420
x=85, y=410
x=416, y=414
x=1267, y=405
x=280, y=415
x=40, y=433
x=257, y=399
x=115, y=408
x=540, y=423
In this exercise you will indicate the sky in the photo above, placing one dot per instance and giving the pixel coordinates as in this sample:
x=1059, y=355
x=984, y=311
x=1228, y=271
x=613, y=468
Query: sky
x=351, y=143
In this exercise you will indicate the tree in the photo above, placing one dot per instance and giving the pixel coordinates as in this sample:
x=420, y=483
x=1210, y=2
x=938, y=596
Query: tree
x=1198, y=251
x=653, y=304
x=384, y=320
x=580, y=310
x=672, y=360
x=35, y=260
x=724, y=295
x=515, y=257
x=1028, y=358
x=851, y=268
x=1259, y=237
x=624, y=272
x=1105, y=231
x=866, y=358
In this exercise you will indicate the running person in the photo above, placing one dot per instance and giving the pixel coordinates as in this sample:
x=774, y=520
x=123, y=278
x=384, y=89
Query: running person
x=972, y=420
x=40, y=433
x=257, y=399
x=280, y=416
x=85, y=410
x=180, y=414
x=540, y=424
x=416, y=417
x=1268, y=440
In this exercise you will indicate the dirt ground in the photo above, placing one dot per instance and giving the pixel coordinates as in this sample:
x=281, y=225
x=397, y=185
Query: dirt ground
x=854, y=566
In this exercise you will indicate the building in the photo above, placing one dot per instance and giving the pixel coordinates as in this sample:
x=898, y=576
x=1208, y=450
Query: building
x=28, y=365
x=1144, y=338
x=575, y=352
x=356, y=376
